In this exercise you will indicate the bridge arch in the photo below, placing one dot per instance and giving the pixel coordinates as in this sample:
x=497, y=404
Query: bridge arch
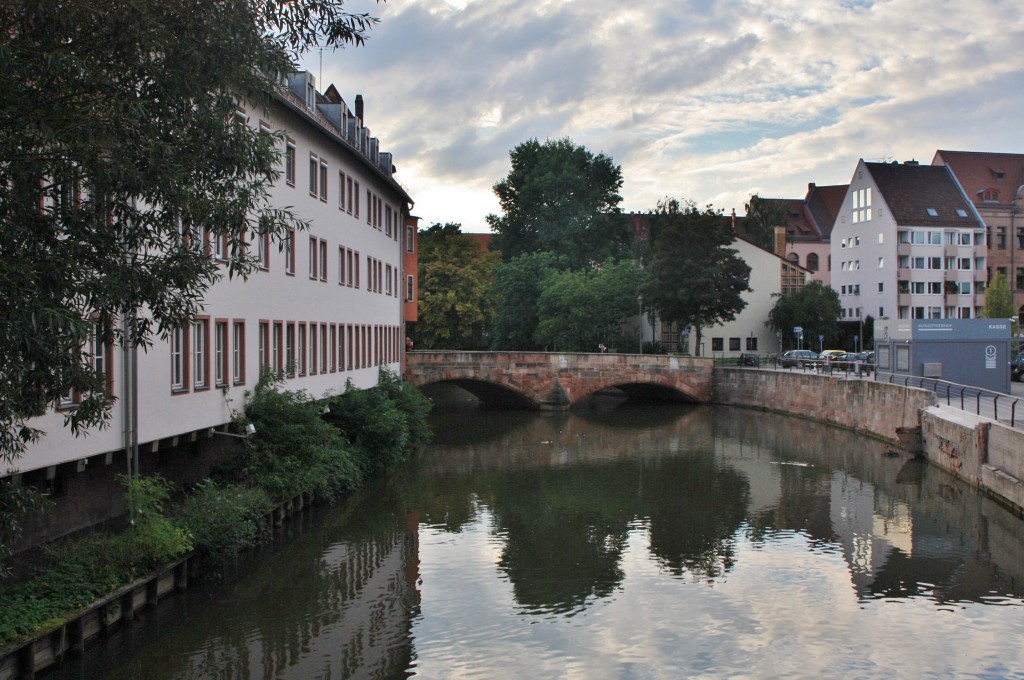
x=555, y=381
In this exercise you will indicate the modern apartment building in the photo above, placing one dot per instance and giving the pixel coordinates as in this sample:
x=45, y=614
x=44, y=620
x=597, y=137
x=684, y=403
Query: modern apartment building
x=324, y=309
x=908, y=244
x=994, y=182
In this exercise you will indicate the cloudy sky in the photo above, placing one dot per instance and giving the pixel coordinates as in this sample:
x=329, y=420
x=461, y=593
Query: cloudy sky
x=705, y=100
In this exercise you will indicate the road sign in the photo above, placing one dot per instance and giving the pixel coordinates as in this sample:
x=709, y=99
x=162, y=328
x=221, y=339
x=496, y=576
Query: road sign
x=798, y=330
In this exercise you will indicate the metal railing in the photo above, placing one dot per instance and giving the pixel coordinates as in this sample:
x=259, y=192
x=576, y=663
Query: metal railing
x=976, y=400
x=998, y=406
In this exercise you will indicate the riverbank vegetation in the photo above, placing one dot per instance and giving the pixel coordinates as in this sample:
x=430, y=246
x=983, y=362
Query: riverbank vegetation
x=325, y=448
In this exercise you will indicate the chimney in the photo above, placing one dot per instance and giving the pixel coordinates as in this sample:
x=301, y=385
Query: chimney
x=780, y=241
x=359, y=107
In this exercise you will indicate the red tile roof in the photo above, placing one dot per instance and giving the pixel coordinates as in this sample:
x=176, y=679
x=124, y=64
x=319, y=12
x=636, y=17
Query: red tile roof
x=979, y=171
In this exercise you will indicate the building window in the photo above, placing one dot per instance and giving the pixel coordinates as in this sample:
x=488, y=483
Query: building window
x=289, y=350
x=341, y=190
x=717, y=344
x=302, y=349
x=179, y=365
x=276, y=356
x=314, y=268
x=862, y=205
x=990, y=195
x=881, y=263
x=335, y=347
x=313, y=349
x=355, y=195
x=410, y=235
x=200, y=353
x=263, y=251
x=408, y=287
x=238, y=352
x=812, y=262
x=734, y=344
x=323, y=180
x=289, y=252
x=220, y=353
x=323, y=260
x=323, y=348
x=314, y=180
x=289, y=162
x=263, y=351
x=751, y=344
x=348, y=201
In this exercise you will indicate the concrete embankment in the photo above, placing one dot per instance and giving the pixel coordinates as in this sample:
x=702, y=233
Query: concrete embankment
x=984, y=453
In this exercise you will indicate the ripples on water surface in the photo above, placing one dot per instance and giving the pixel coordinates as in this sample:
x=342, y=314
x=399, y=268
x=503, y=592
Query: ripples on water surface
x=659, y=542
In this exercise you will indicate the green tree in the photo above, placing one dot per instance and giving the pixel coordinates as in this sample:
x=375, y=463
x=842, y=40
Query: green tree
x=579, y=310
x=560, y=198
x=455, y=277
x=815, y=308
x=763, y=215
x=695, y=278
x=516, y=293
x=121, y=144
x=998, y=299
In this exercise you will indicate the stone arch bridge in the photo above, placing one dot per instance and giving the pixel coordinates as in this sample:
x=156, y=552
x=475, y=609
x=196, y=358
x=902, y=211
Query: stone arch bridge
x=555, y=381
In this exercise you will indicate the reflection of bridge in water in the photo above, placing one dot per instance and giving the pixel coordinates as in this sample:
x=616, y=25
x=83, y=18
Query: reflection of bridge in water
x=553, y=381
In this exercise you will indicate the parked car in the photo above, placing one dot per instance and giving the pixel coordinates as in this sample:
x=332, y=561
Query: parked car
x=798, y=357
x=830, y=354
x=1017, y=368
x=748, y=359
x=851, y=361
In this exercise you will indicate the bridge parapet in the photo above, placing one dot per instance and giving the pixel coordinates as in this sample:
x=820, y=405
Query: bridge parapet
x=556, y=380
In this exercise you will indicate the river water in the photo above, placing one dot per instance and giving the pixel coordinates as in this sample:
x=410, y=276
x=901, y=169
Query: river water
x=619, y=541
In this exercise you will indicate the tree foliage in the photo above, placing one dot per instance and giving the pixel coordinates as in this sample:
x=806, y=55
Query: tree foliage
x=815, y=308
x=560, y=198
x=579, y=310
x=695, y=278
x=455, y=276
x=998, y=299
x=517, y=288
x=763, y=216
x=121, y=145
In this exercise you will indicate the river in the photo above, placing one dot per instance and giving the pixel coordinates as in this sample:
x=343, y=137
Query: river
x=616, y=541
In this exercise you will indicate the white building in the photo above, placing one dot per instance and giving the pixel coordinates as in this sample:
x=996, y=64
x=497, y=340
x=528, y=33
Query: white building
x=324, y=309
x=908, y=244
x=770, y=275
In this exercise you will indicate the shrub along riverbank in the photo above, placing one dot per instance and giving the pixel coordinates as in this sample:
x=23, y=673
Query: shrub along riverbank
x=325, y=448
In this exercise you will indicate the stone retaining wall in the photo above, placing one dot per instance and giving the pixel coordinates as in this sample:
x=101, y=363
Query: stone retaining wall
x=875, y=409
x=984, y=453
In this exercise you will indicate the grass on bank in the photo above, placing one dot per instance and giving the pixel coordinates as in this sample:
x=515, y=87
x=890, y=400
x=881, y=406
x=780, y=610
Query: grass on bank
x=298, y=448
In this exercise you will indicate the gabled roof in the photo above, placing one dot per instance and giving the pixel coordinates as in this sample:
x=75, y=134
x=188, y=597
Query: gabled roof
x=823, y=205
x=797, y=225
x=979, y=171
x=923, y=195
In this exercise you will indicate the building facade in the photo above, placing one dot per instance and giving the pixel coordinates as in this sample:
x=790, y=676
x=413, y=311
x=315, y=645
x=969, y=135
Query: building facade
x=908, y=244
x=770, y=276
x=808, y=229
x=323, y=310
x=994, y=182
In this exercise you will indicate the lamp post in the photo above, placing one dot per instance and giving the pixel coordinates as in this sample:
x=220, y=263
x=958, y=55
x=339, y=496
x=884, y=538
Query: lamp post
x=640, y=320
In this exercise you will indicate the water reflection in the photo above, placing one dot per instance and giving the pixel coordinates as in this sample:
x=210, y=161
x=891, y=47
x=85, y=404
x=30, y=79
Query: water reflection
x=619, y=541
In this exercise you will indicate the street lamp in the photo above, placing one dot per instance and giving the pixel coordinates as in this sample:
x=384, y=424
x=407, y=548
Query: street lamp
x=640, y=320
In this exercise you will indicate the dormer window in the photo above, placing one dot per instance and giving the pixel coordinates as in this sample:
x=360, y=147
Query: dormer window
x=932, y=212
x=990, y=195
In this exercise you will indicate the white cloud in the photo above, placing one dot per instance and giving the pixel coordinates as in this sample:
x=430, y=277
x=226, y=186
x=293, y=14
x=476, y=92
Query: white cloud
x=702, y=100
